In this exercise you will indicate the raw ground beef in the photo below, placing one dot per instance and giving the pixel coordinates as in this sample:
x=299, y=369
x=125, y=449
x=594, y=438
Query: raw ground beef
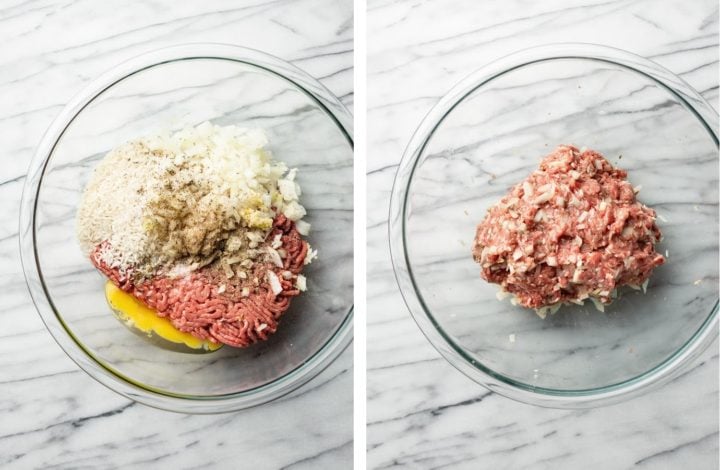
x=209, y=306
x=572, y=230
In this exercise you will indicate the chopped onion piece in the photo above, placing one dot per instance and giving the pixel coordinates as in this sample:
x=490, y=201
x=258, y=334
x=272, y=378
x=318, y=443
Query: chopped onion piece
x=301, y=283
x=275, y=285
x=294, y=211
x=275, y=257
x=542, y=312
x=311, y=255
x=289, y=189
x=302, y=227
x=527, y=190
x=544, y=197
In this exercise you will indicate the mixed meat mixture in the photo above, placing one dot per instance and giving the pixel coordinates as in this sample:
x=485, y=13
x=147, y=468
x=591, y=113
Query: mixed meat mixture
x=572, y=230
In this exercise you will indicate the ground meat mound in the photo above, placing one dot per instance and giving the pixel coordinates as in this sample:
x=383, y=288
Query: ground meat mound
x=572, y=230
x=209, y=306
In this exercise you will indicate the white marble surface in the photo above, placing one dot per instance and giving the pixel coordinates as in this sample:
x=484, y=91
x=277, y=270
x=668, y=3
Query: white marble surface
x=422, y=413
x=53, y=414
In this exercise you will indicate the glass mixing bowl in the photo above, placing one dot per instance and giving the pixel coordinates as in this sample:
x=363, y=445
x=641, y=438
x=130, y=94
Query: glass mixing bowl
x=486, y=135
x=168, y=89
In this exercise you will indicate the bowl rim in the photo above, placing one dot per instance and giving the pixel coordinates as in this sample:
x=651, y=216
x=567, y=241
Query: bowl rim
x=458, y=357
x=95, y=368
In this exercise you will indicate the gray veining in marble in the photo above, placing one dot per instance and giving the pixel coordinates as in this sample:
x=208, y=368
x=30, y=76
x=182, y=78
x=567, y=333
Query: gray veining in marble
x=423, y=413
x=54, y=415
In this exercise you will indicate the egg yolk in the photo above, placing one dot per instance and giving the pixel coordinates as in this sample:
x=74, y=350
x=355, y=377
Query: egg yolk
x=139, y=316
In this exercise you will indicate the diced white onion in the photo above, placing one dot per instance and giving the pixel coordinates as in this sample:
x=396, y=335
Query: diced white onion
x=275, y=285
x=275, y=257
x=302, y=227
x=311, y=255
x=527, y=189
x=544, y=197
x=301, y=283
x=294, y=211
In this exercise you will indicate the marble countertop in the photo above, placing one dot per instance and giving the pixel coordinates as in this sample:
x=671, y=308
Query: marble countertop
x=54, y=415
x=422, y=413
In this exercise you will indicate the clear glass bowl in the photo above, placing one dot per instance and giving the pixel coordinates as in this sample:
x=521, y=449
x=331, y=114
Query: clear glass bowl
x=308, y=128
x=487, y=134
